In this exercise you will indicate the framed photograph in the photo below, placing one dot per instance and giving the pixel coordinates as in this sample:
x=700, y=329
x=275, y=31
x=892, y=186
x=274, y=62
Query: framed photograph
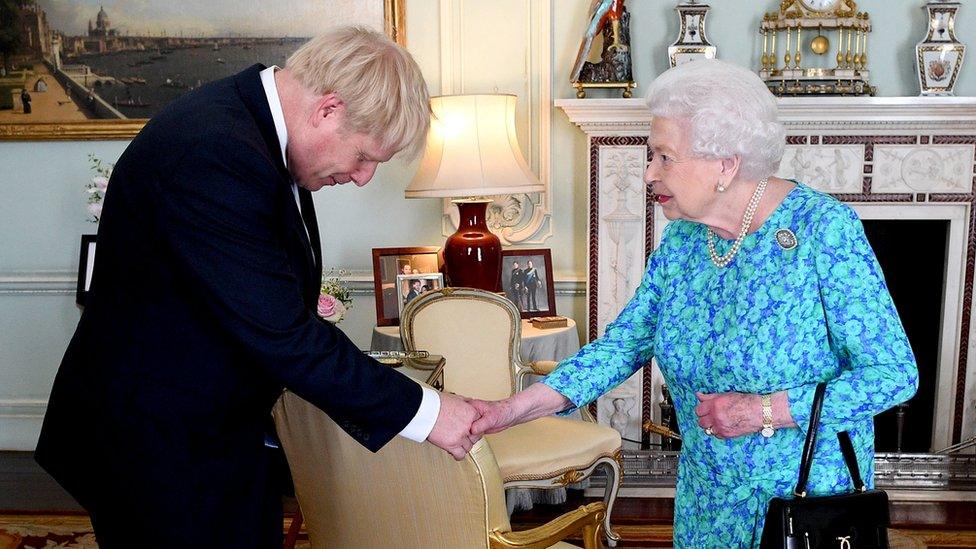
x=412, y=285
x=388, y=263
x=73, y=69
x=527, y=281
x=85, y=264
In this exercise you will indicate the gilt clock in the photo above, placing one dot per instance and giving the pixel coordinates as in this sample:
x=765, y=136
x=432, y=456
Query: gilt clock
x=798, y=40
x=820, y=6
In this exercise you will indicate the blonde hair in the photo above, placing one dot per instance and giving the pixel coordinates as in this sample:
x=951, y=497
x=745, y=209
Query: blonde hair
x=730, y=109
x=381, y=85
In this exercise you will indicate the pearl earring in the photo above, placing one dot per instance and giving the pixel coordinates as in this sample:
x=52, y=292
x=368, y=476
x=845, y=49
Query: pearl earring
x=720, y=187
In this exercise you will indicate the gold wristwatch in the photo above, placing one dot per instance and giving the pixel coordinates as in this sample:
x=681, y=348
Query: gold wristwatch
x=767, y=413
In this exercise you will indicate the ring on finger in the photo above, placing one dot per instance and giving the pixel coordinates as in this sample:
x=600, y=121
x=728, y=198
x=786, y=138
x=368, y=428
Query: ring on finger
x=709, y=431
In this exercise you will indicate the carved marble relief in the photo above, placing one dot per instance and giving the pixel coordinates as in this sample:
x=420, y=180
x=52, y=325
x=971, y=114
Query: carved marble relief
x=621, y=256
x=830, y=168
x=928, y=168
x=620, y=408
x=621, y=227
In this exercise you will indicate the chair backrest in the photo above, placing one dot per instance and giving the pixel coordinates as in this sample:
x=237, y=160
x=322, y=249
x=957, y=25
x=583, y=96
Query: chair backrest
x=407, y=495
x=477, y=333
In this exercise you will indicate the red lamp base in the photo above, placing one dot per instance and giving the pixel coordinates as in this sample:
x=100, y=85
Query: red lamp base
x=473, y=255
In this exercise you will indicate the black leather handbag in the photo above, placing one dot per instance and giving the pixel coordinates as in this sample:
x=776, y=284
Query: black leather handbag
x=845, y=521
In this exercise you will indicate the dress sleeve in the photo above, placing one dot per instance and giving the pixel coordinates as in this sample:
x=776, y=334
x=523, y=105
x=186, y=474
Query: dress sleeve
x=878, y=367
x=626, y=345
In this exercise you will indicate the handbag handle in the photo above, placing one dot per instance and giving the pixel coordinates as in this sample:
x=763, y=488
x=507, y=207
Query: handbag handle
x=846, y=447
x=811, y=441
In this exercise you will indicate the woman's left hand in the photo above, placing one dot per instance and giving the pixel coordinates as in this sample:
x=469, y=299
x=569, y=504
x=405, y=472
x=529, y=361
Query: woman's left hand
x=727, y=415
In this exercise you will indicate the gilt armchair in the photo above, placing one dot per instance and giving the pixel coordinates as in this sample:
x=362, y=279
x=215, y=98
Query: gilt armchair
x=478, y=333
x=407, y=495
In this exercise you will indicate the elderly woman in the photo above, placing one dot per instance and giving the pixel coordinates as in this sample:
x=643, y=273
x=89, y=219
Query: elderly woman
x=760, y=288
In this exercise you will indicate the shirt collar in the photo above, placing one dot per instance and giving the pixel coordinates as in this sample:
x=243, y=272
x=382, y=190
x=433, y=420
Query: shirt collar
x=277, y=115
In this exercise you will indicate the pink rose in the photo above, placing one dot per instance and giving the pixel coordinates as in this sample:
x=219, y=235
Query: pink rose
x=101, y=182
x=330, y=308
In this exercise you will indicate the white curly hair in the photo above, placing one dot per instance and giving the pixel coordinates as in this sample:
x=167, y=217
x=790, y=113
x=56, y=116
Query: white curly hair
x=730, y=110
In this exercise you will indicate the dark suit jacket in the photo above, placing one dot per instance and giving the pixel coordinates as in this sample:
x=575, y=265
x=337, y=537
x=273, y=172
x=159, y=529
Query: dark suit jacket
x=200, y=311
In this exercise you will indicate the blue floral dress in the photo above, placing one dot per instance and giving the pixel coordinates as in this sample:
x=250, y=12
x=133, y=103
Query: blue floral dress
x=774, y=319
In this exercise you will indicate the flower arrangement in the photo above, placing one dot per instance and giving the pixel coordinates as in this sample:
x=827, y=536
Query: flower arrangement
x=334, y=297
x=97, y=186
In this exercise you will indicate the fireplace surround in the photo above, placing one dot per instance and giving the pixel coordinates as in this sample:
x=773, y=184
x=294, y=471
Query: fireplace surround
x=899, y=158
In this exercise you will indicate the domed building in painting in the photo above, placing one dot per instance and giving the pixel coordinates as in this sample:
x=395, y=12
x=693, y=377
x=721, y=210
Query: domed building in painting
x=103, y=26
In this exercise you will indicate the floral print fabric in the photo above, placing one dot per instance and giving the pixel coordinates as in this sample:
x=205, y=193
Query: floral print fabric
x=774, y=319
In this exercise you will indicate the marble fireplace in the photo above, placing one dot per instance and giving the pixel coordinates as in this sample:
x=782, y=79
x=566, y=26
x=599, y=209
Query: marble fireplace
x=892, y=159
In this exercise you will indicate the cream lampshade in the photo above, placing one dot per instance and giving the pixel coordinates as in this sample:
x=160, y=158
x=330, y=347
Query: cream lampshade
x=472, y=153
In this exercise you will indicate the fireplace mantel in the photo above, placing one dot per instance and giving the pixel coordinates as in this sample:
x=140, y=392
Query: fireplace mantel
x=889, y=157
x=616, y=116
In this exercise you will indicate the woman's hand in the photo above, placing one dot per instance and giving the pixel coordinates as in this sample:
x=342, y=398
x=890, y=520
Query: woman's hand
x=730, y=415
x=534, y=402
x=495, y=416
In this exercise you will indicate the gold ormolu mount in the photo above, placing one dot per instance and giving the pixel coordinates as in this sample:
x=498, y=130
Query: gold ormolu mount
x=793, y=72
x=657, y=429
x=626, y=86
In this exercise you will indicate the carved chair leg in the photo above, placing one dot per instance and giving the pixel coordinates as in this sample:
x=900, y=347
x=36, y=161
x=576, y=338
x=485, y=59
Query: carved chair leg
x=612, y=469
x=593, y=535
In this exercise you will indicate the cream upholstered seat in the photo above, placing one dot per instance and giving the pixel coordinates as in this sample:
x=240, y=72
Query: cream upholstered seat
x=407, y=495
x=557, y=445
x=478, y=333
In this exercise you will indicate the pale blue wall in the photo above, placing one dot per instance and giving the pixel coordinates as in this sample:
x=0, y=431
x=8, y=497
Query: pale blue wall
x=42, y=203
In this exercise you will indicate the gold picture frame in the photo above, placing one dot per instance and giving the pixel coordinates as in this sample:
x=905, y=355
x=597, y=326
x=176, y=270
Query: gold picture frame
x=100, y=129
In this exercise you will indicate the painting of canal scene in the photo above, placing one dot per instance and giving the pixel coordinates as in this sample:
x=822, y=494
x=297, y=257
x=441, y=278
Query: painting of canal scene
x=93, y=64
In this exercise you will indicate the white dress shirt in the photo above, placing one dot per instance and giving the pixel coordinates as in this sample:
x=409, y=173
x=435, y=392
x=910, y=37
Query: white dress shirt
x=430, y=405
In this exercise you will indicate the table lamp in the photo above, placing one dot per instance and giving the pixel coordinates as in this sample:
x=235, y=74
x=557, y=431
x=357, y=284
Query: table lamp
x=472, y=153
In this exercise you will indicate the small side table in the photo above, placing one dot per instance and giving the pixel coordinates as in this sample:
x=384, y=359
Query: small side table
x=427, y=369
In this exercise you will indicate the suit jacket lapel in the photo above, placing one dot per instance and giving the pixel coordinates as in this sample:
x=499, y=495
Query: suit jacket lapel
x=252, y=93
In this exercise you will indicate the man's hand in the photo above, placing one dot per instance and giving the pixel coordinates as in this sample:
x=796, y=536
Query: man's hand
x=452, y=430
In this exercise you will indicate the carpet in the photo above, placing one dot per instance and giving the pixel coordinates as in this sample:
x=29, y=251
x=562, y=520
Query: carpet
x=46, y=532
x=30, y=531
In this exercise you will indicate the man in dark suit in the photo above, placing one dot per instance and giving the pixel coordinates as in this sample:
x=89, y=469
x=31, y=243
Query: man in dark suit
x=532, y=283
x=201, y=307
x=516, y=283
x=414, y=291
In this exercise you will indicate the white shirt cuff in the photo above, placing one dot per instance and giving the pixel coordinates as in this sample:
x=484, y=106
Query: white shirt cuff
x=423, y=422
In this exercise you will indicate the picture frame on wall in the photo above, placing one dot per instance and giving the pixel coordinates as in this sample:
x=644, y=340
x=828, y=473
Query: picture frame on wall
x=388, y=263
x=412, y=285
x=527, y=281
x=86, y=263
x=77, y=70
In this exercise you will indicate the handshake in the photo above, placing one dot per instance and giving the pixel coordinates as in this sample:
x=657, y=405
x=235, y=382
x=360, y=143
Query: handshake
x=462, y=421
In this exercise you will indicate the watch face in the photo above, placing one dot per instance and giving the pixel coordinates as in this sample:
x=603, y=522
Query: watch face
x=767, y=432
x=820, y=5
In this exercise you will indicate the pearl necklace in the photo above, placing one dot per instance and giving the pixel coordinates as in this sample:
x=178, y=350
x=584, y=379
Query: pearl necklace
x=722, y=261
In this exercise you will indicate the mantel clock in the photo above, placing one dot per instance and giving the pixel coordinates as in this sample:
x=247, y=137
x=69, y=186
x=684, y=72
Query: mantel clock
x=798, y=62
